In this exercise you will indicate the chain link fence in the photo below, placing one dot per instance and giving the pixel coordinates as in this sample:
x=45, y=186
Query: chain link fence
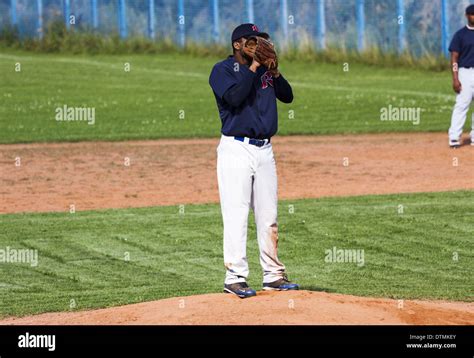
x=417, y=26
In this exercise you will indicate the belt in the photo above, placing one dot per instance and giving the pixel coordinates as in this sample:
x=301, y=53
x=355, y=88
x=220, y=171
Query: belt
x=252, y=141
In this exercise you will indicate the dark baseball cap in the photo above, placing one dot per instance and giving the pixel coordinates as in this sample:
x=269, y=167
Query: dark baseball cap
x=246, y=30
x=470, y=10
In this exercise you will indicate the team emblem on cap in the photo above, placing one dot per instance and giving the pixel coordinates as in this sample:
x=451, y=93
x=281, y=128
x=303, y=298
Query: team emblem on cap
x=254, y=28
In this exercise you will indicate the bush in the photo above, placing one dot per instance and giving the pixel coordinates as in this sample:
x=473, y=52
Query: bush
x=9, y=36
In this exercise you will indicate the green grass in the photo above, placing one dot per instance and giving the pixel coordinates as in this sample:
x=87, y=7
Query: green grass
x=82, y=255
x=145, y=103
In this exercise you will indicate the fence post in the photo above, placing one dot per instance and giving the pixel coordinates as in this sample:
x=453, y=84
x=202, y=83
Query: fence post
x=215, y=20
x=321, y=24
x=250, y=16
x=94, y=14
x=284, y=20
x=151, y=19
x=444, y=28
x=360, y=25
x=39, y=29
x=14, y=18
x=122, y=19
x=67, y=13
x=401, y=25
x=181, y=23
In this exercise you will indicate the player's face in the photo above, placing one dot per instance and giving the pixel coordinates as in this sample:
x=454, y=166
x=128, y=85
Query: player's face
x=242, y=42
x=239, y=44
x=470, y=19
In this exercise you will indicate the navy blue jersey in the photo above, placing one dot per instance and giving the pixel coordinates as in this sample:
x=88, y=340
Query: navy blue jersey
x=256, y=116
x=463, y=42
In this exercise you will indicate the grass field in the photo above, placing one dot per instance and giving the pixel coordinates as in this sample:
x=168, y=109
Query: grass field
x=145, y=102
x=83, y=256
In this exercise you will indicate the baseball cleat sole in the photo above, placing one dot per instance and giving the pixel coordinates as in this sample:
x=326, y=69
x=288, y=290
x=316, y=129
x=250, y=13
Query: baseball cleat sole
x=287, y=287
x=274, y=289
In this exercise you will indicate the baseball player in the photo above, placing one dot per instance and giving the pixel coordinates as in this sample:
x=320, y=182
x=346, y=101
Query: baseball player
x=462, y=62
x=246, y=91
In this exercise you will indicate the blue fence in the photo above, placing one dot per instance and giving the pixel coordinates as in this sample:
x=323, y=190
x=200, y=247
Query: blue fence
x=418, y=26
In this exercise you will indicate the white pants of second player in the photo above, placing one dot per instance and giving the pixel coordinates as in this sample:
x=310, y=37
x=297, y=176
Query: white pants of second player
x=463, y=101
x=247, y=179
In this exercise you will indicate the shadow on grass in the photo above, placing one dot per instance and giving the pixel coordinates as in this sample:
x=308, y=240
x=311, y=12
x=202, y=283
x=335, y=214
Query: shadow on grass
x=466, y=141
x=318, y=289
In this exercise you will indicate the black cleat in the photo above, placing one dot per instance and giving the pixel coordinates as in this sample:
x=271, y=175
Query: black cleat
x=240, y=289
x=282, y=284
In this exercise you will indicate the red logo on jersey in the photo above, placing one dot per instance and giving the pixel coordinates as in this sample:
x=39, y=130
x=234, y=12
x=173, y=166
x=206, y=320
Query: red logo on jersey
x=254, y=28
x=267, y=79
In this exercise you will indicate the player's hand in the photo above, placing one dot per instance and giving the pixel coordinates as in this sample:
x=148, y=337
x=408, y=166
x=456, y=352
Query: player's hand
x=457, y=87
x=253, y=67
x=275, y=73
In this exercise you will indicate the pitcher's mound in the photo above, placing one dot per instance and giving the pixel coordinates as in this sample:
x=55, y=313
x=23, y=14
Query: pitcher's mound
x=297, y=307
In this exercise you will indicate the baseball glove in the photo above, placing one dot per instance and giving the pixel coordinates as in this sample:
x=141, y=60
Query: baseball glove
x=263, y=51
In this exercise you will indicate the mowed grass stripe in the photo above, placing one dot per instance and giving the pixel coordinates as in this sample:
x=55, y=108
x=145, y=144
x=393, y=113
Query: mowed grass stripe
x=145, y=103
x=299, y=81
x=101, y=258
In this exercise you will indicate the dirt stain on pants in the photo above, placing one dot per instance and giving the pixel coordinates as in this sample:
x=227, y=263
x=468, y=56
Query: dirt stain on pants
x=274, y=236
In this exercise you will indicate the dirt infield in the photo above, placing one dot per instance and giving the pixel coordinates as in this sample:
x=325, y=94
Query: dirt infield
x=51, y=177
x=91, y=175
x=302, y=307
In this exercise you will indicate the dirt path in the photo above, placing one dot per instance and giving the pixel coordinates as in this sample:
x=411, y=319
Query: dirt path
x=303, y=307
x=92, y=175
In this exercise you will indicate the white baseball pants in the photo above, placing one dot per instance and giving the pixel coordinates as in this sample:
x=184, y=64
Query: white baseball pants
x=247, y=177
x=463, y=101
